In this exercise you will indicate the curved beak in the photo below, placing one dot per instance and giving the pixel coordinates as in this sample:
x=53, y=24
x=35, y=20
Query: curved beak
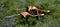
x=48, y=11
x=42, y=14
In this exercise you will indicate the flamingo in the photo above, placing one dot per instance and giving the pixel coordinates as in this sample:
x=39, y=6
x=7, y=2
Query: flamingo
x=36, y=9
x=24, y=14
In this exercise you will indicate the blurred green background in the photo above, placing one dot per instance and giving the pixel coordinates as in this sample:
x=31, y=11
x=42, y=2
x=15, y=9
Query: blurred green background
x=8, y=7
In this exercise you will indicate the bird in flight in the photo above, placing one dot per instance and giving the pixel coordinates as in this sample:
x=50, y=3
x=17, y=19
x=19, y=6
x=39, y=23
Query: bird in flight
x=25, y=13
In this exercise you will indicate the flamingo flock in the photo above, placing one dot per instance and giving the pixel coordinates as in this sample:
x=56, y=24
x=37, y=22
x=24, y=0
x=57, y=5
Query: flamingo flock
x=35, y=9
x=29, y=8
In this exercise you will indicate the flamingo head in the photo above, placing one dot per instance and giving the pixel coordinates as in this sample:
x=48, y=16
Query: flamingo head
x=47, y=11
